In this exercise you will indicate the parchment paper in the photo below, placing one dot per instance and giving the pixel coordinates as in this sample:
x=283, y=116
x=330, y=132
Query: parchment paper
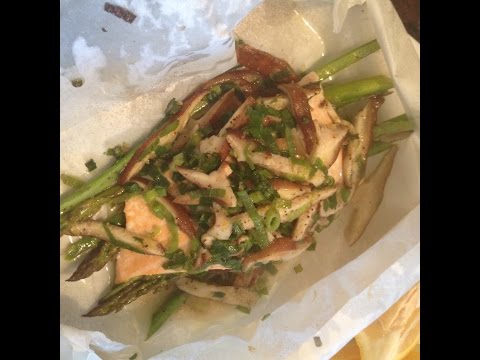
x=132, y=70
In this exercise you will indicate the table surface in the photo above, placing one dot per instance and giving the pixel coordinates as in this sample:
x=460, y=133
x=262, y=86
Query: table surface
x=409, y=12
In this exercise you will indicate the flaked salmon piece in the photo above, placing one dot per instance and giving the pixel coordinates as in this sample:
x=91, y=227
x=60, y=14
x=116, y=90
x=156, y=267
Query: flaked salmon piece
x=140, y=220
x=131, y=264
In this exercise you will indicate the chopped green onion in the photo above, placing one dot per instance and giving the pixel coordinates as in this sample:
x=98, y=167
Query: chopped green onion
x=296, y=213
x=291, y=146
x=256, y=218
x=118, y=151
x=234, y=210
x=160, y=191
x=262, y=290
x=172, y=108
x=256, y=196
x=209, y=162
x=237, y=230
x=328, y=182
x=91, y=165
x=132, y=187
x=117, y=218
x=283, y=203
x=272, y=219
x=302, y=162
x=218, y=294
x=345, y=194
x=161, y=150
x=178, y=159
x=161, y=211
x=298, y=268
x=71, y=181
x=207, y=193
x=176, y=260
x=243, y=309
x=271, y=268
x=177, y=177
x=332, y=200
x=154, y=172
x=265, y=316
x=286, y=228
x=318, y=165
x=246, y=154
x=312, y=246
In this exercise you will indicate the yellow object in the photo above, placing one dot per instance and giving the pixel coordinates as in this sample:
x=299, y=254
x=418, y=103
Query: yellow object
x=348, y=352
x=393, y=336
x=414, y=354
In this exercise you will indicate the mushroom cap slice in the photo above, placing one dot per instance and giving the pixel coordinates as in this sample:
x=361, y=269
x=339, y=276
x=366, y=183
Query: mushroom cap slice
x=216, y=179
x=226, y=294
x=368, y=196
x=281, y=249
x=278, y=165
x=355, y=160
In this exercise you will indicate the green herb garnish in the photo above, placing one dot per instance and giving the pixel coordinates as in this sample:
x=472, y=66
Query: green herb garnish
x=91, y=165
x=298, y=268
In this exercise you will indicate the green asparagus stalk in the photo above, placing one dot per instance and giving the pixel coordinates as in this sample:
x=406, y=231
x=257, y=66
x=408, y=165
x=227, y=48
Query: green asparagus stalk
x=387, y=132
x=124, y=294
x=165, y=311
x=96, y=185
x=347, y=59
x=378, y=147
x=343, y=94
x=95, y=260
x=384, y=130
x=110, y=176
x=79, y=247
x=89, y=208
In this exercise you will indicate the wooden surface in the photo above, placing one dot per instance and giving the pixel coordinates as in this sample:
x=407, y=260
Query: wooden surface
x=409, y=12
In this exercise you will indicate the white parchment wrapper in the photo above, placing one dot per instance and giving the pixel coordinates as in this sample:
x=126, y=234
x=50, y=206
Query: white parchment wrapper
x=131, y=71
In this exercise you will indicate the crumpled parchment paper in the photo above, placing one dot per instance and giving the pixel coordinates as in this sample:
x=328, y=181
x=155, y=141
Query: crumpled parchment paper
x=131, y=71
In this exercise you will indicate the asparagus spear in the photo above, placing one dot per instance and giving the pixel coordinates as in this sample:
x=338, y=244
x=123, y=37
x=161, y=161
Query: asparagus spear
x=378, y=147
x=79, y=247
x=117, y=236
x=96, y=185
x=387, y=132
x=89, y=208
x=394, y=126
x=343, y=94
x=347, y=59
x=124, y=294
x=96, y=259
x=166, y=310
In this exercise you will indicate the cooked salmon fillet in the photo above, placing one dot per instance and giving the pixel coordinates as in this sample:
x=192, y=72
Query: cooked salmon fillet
x=140, y=220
